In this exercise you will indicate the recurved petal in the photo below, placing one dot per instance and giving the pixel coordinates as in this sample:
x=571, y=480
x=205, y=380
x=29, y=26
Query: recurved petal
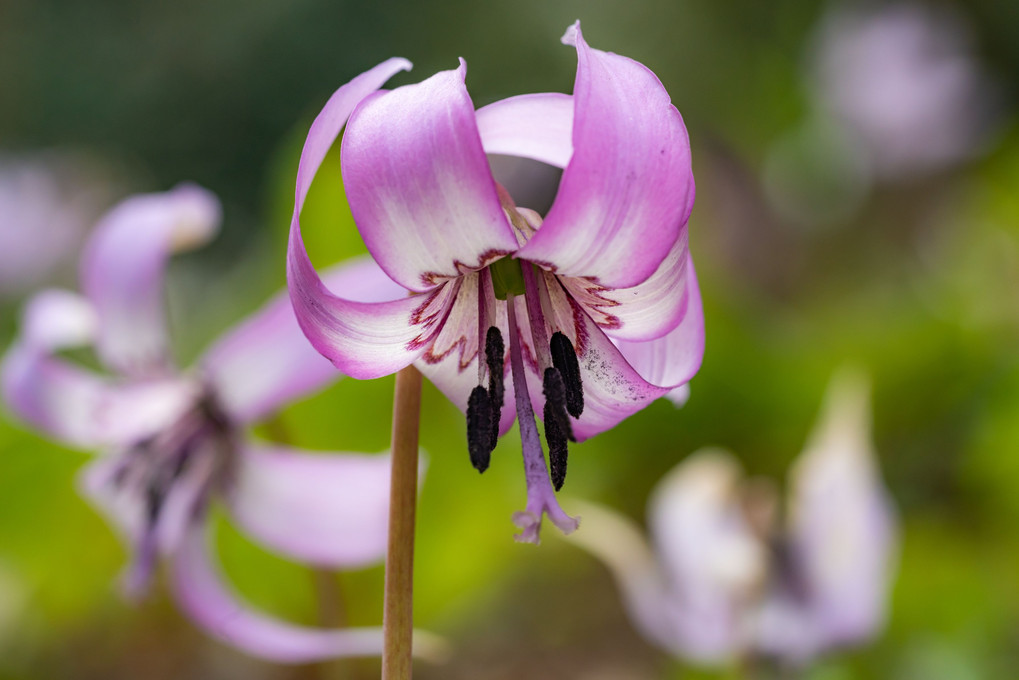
x=626, y=193
x=712, y=557
x=124, y=509
x=63, y=401
x=266, y=361
x=419, y=184
x=326, y=509
x=202, y=594
x=55, y=319
x=81, y=408
x=842, y=521
x=365, y=337
x=537, y=126
x=123, y=266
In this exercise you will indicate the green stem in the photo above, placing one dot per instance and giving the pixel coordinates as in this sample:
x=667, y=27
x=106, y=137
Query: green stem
x=398, y=617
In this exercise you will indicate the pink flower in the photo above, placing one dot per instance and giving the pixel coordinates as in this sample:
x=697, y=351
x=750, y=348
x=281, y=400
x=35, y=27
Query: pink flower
x=172, y=442
x=593, y=310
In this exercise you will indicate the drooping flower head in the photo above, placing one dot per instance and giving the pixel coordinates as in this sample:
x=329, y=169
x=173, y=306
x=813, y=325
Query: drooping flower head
x=172, y=441
x=727, y=580
x=584, y=315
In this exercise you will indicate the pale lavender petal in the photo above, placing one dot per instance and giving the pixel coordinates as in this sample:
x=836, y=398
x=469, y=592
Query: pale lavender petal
x=54, y=396
x=419, y=184
x=117, y=486
x=266, y=361
x=56, y=319
x=842, y=521
x=625, y=196
x=81, y=408
x=712, y=558
x=124, y=508
x=330, y=509
x=363, y=340
x=783, y=627
x=537, y=126
x=123, y=267
x=646, y=311
x=203, y=595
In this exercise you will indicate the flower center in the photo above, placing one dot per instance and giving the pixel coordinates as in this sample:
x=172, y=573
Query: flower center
x=557, y=361
x=168, y=478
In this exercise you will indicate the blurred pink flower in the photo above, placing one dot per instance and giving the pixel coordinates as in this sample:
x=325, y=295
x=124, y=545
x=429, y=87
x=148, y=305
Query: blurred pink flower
x=46, y=204
x=174, y=441
x=905, y=81
x=597, y=301
x=724, y=582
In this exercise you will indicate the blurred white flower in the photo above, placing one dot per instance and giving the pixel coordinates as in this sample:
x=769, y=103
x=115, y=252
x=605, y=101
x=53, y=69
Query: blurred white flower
x=904, y=80
x=46, y=205
x=723, y=580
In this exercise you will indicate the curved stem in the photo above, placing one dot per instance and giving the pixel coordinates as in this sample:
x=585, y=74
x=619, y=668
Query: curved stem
x=398, y=617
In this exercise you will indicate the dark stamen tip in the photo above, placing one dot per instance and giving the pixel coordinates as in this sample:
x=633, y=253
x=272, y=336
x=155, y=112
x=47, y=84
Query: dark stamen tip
x=495, y=358
x=555, y=394
x=558, y=448
x=564, y=358
x=495, y=354
x=479, y=428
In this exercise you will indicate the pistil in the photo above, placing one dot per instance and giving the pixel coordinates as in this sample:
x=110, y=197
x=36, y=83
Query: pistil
x=558, y=430
x=540, y=496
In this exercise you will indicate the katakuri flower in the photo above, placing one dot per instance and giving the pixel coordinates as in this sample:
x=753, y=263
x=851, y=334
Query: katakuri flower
x=726, y=582
x=173, y=441
x=593, y=310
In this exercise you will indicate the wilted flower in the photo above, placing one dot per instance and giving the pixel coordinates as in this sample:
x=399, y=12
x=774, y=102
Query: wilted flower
x=174, y=441
x=594, y=309
x=725, y=580
x=904, y=79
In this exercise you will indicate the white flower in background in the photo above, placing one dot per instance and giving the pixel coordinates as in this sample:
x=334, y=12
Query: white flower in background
x=724, y=580
x=904, y=80
x=46, y=205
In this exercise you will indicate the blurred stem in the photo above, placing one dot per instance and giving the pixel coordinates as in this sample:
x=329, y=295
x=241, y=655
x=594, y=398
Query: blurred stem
x=326, y=582
x=331, y=609
x=398, y=616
